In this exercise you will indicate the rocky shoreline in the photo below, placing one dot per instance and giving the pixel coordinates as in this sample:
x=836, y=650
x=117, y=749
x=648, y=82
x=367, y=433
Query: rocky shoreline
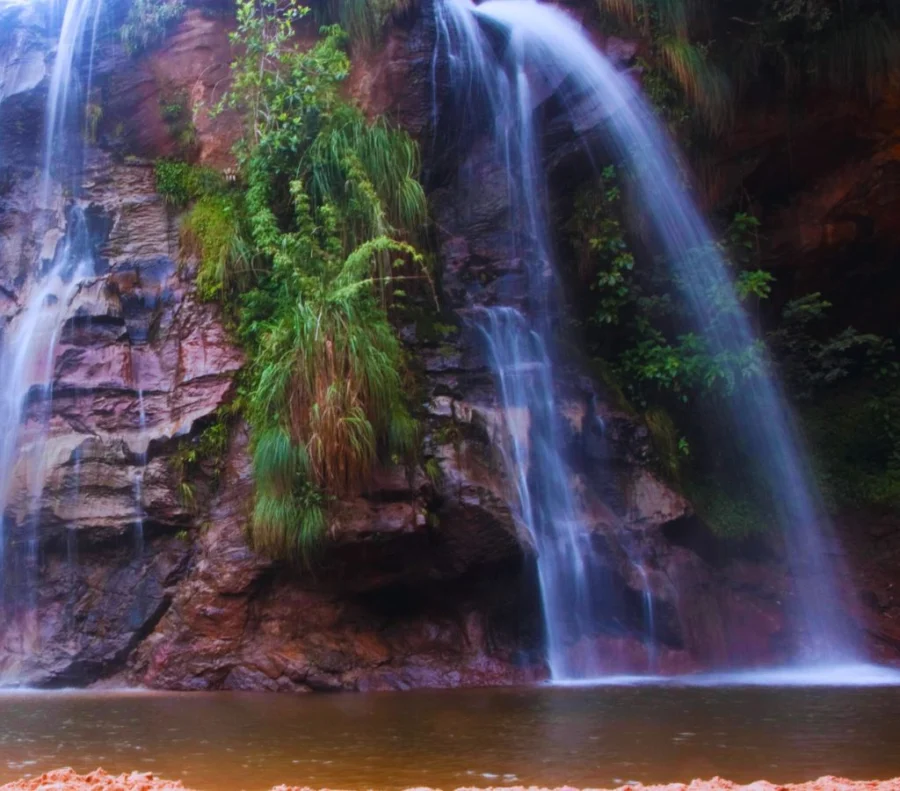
x=69, y=780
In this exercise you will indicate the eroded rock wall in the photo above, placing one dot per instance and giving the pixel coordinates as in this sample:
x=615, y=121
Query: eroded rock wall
x=426, y=580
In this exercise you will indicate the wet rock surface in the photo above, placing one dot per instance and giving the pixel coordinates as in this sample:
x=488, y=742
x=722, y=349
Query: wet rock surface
x=426, y=579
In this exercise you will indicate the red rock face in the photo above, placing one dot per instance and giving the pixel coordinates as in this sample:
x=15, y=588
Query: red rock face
x=191, y=68
x=424, y=581
x=239, y=622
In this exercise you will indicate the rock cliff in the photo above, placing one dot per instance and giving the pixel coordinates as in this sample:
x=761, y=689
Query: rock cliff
x=425, y=580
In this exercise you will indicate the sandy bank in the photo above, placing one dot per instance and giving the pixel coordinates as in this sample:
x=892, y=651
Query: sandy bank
x=68, y=780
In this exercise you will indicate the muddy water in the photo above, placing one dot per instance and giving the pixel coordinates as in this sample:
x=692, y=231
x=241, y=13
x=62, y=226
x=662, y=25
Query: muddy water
x=600, y=737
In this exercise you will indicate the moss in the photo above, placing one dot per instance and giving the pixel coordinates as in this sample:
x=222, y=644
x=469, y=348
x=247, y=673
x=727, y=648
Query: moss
x=853, y=434
x=728, y=515
x=670, y=446
x=202, y=455
x=179, y=183
x=208, y=233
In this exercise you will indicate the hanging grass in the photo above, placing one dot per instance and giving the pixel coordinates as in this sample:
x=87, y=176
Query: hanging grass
x=369, y=170
x=363, y=20
x=775, y=50
x=863, y=56
x=670, y=15
x=305, y=259
x=703, y=83
x=327, y=382
x=148, y=22
x=212, y=233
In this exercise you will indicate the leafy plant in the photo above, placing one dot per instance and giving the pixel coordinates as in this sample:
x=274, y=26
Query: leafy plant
x=638, y=307
x=148, y=22
x=174, y=107
x=201, y=455
x=307, y=260
x=810, y=362
x=180, y=183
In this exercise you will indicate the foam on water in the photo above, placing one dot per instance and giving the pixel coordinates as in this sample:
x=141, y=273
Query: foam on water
x=860, y=674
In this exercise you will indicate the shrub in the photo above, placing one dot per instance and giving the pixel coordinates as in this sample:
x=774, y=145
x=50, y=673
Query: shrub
x=180, y=183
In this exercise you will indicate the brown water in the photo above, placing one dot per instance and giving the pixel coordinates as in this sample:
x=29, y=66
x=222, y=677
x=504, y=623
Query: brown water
x=600, y=737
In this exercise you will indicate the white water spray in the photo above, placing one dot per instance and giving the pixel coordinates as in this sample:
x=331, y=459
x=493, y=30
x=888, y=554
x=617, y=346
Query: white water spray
x=542, y=50
x=29, y=344
x=64, y=119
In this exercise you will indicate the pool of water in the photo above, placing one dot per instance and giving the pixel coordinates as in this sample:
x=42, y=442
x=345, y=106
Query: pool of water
x=595, y=736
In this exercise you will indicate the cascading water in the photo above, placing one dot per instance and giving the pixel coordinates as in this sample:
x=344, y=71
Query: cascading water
x=30, y=339
x=566, y=563
x=65, y=113
x=26, y=373
x=542, y=50
x=139, y=480
x=517, y=344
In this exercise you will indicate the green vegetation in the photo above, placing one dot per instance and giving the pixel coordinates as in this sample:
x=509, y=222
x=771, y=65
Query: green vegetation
x=855, y=436
x=306, y=255
x=773, y=49
x=175, y=109
x=729, y=510
x=215, y=234
x=704, y=58
x=148, y=22
x=180, y=183
x=636, y=316
x=811, y=363
x=363, y=20
x=847, y=382
x=204, y=453
x=93, y=114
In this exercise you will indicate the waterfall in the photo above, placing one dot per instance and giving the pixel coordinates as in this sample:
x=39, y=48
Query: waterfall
x=546, y=505
x=30, y=340
x=506, y=53
x=139, y=479
x=66, y=102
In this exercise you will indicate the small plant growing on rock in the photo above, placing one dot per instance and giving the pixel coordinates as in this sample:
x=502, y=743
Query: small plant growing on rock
x=180, y=183
x=148, y=22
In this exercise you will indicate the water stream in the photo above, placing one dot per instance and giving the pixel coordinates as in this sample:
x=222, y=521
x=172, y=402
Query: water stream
x=139, y=478
x=66, y=99
x=30, y=340
x=533, y=50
